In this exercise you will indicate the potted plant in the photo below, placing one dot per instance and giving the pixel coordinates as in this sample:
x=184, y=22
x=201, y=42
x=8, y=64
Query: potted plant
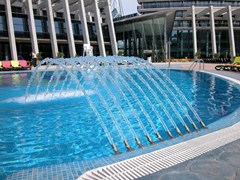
x=39, y=57
x=60, y=55
x=216, y=55
x=197, y=54
x=120, y=52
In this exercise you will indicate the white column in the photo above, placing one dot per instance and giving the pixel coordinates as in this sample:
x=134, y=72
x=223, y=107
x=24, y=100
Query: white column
x=68, y=22
x=165, y=41
x=111, y=29
x=89, y=15
x=32, y=28
x=84, y=25
x=51, y=28
x=99, y=29
x=231, y=32
x=11, y=34
x=213, y=32
x=194, y=32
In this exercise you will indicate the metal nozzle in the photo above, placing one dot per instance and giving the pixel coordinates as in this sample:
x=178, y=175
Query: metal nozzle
x=187, y=129
x=203, y=125
x=128, y=146
x=159, y=136
x=150, y=140
x=114, y=147
x=195, y=127
x=170, y=134
x=139, y=143
x=178, y=131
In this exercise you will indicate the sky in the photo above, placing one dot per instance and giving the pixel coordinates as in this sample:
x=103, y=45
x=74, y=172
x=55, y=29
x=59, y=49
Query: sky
x=129, y=6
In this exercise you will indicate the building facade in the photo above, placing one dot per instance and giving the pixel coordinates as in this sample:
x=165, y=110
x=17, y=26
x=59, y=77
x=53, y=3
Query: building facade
x=53, y=27
x=208, y=28
x=146, y=35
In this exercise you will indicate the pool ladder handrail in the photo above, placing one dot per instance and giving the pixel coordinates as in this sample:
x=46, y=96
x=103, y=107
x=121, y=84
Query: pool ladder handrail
x=195, y=62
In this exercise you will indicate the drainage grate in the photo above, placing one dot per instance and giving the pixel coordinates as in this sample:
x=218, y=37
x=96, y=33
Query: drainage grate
x=161, y=159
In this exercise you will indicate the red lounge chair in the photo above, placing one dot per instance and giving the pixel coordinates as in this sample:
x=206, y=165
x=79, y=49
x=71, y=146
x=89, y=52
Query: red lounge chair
x=7, y=65
x=24, y=65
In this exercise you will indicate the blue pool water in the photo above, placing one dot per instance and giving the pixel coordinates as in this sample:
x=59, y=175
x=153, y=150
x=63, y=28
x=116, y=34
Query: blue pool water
x=57, y=128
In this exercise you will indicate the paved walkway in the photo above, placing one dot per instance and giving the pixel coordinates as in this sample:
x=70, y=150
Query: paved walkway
x=222, y=163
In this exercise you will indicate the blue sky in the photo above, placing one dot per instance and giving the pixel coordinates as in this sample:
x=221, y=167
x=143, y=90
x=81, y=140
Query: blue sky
x=129, y=6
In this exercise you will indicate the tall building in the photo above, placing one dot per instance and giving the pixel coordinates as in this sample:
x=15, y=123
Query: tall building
x=210, y=28
x=51, y=27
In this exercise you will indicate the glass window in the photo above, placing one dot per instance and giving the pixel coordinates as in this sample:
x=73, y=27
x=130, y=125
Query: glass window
x=2, y=8
x=179, y=13
x=2, y=23
x=59, y=14
x=39, y=26
x=77, y=28
x=92, y=32
x=20, y=24
x=16, y=9
x=236, y=23
x=176, y=4
x=60, y=27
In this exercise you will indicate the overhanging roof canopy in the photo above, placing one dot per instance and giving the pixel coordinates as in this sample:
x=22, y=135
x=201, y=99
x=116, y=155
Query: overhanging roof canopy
x=218, y=12
x=58, y=5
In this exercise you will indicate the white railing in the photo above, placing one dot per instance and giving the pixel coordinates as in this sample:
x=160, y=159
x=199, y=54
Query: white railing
x=196, y=62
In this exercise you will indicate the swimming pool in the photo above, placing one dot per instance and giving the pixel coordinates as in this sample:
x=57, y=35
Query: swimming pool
x=53, y=128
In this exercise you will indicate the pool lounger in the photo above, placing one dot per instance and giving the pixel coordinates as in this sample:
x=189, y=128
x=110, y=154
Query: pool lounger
x=233, y=67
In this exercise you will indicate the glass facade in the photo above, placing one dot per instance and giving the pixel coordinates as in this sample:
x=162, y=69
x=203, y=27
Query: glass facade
x=181, y=44
x=143, y=38
x=3, y=23
x=21, y=29
x=237, y=42
x=204, y=43
x=187, y=3
x=222, y=40
x=77, y=30
x=4, y=51
x=20, y=24
x=92, y=31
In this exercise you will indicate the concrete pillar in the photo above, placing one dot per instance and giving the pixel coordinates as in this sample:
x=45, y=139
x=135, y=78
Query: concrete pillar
x=71, y=43
x=213, y=32
x=194, y=29
x=11, y=34
x=111, y=29
x=231, y=32
x=32, y=27
x=82, y=13
x=99, y=29
x=51, y=28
